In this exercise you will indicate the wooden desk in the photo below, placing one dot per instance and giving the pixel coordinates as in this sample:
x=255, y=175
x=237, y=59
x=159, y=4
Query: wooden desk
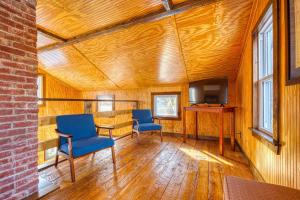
x=220, y=111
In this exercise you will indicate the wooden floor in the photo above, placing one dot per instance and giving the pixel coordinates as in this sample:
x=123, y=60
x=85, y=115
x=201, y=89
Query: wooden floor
x=150, y=170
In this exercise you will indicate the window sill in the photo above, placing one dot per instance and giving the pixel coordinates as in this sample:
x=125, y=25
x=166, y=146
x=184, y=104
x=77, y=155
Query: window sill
x=266, y=139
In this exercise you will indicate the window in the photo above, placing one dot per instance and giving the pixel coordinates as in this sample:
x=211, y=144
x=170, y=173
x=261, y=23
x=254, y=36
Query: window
x=265, y=86
x=104, y=106
x=265, y=72
x=166, y=105
x=40, y=88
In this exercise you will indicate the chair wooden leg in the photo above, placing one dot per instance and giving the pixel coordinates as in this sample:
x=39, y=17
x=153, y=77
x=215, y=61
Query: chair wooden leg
x=71, y=160
x=56, y=160
x=161, y=136
x=138, y=136
x=113, y=155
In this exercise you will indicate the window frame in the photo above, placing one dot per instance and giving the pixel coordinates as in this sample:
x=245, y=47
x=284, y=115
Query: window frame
x=270, y=137
x=178, y=94
x=42, y=88
x=98, y=97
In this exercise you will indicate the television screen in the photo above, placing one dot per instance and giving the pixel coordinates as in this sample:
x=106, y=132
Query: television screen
x=209, y=91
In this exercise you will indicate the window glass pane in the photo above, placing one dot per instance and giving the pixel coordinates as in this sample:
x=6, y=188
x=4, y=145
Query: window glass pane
x=267, y=104
x=104, y=106
x=166, y=105
x=269, y=50
x=261, y=56
x=265, y=45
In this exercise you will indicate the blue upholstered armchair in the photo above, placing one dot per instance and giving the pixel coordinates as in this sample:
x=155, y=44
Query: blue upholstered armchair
x=143, y=121
x=78, y=136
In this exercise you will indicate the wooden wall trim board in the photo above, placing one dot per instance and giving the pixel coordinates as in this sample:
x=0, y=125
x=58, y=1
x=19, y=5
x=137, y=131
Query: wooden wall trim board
x=51, y=35
x=51, y=120
x=248, y=31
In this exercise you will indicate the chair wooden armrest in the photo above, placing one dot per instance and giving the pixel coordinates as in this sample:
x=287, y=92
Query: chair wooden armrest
x=157, y=118
x=108, y=127
x=69, y=138
x=136, y=120
x=105, y=126
x=63, y=134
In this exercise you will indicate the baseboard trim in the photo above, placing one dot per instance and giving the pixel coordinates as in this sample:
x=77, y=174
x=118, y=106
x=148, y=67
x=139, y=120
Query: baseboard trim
x=257, y=175
x=192, y=136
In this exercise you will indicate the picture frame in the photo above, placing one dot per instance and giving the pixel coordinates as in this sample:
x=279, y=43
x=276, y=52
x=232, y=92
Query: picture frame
x=293, y=41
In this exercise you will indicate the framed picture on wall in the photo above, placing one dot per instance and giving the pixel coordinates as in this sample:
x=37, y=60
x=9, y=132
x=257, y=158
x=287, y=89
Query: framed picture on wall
x=293, y=34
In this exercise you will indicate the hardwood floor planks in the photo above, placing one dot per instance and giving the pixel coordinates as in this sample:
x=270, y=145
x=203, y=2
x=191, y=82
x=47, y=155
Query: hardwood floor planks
x=151, y=170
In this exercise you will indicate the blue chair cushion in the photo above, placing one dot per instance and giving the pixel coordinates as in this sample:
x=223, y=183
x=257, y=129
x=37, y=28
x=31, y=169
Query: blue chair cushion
x=88, y=145
x=79, y=126
x=147, y=127
x=143, y=116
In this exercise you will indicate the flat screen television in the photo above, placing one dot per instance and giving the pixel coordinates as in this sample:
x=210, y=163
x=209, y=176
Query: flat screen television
x=208, y=91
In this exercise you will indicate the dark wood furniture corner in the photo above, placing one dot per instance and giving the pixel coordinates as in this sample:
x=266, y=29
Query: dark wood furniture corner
x=220, y=111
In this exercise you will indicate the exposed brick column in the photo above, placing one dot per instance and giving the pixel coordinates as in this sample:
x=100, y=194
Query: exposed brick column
x=18, y=99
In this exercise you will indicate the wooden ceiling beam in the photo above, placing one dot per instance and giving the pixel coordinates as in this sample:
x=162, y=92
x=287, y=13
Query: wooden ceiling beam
x=179, y=8
x=168, y=4
x=51, y=35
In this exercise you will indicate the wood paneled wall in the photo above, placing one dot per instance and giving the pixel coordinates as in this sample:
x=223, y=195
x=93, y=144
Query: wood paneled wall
x=283, y=169
x=54, y=88
x=207, y=121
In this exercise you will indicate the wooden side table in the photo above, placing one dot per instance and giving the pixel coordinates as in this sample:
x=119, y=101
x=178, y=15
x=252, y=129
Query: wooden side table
x=220, y=111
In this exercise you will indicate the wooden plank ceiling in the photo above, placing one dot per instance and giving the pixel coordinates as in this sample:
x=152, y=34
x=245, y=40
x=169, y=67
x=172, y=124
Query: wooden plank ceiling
x=203, y=42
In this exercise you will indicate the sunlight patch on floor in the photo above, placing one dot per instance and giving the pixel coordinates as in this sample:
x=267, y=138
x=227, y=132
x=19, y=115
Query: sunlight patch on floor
x=204, y=155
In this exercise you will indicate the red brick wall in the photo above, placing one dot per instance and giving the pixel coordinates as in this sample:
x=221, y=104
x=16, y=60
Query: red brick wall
x=18, y=102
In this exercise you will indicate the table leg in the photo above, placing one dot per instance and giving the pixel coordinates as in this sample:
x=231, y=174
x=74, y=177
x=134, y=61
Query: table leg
x=221, y=142
x=110, y=133
x=184, y=125
x=196, y=125
x=232, y=130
